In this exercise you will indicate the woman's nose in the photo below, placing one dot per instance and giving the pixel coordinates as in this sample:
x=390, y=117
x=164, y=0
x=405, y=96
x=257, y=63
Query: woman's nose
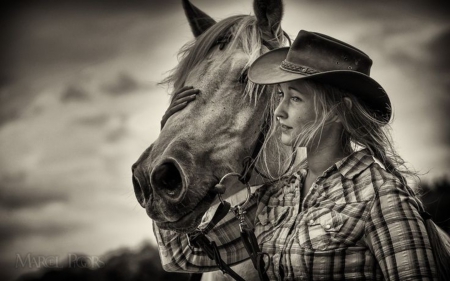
x=280, y=111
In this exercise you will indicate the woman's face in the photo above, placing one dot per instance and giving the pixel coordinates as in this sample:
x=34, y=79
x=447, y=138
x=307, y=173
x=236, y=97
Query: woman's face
x=295, y=110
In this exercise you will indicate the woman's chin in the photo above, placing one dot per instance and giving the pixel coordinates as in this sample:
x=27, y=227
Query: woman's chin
x=286, y=140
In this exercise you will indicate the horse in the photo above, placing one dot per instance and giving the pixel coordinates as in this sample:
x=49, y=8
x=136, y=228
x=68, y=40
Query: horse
x=220, y=132
x=175, y=177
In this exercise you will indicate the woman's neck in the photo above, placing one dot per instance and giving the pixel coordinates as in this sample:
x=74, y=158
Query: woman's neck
x=323, y=156
x=321, y=159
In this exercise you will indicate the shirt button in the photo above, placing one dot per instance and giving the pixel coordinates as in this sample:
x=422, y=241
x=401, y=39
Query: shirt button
x=328, y=226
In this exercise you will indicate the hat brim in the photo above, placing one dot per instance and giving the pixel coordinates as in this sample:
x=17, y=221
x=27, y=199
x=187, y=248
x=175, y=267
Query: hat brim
x=266, y=70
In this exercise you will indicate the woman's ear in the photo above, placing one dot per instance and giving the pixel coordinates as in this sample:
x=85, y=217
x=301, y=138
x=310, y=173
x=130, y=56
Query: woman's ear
x=348, y=106
x=348, y=103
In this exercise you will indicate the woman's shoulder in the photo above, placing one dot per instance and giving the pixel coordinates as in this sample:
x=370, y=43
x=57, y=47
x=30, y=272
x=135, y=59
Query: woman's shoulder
x=368, y=182
x=390, y=192
x=377, y=181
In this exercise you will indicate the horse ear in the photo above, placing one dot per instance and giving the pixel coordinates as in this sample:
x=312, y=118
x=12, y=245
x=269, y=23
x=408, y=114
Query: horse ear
x=198, y=20
x=269, y=14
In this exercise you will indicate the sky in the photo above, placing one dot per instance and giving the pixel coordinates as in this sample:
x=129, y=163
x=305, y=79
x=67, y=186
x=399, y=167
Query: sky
x=80, y=101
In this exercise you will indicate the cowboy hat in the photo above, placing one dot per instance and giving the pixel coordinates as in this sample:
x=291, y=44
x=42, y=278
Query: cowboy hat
x=326, y=60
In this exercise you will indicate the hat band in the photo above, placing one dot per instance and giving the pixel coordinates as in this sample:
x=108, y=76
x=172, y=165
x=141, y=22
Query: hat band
x=297, y=68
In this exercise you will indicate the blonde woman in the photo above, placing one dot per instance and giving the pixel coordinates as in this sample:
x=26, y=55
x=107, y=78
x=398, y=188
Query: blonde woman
x=348, y=213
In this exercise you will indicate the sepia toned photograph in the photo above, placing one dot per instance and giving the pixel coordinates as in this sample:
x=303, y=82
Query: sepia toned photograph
x=225, y=140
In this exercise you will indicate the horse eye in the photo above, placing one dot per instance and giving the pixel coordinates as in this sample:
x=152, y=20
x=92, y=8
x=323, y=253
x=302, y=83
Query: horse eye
x=243, y=78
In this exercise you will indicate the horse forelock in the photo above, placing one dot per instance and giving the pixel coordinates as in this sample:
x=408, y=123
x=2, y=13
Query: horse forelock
x=245, y=35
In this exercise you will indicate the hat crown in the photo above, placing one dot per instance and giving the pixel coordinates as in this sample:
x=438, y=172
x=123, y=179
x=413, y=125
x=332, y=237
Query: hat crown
x=326, y=60
x=315, y=52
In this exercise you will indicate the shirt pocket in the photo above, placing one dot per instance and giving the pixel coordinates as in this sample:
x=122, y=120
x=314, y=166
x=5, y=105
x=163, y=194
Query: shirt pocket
x=320, y=228
x=269, y=220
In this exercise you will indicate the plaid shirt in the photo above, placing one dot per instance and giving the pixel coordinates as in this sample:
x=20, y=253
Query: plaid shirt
x=358, y=222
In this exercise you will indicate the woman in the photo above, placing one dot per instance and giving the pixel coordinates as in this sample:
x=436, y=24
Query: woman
x=348, y=214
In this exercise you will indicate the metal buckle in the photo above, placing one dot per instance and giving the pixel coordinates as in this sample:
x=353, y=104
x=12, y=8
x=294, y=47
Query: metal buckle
x=249, y=191
x=239, y=208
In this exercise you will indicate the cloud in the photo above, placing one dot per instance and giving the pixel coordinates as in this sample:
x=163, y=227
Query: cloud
x=14, y=98
x=411, y=60
x=74, y=93
x=112, y=126
x=93, y=121
x=24, y=197
x=47, y=45
x=86, y=64
x=17, y=193
x=57, y=33
x=14, y=230
x=439, y=50
x=123, y=84
x=117, y=134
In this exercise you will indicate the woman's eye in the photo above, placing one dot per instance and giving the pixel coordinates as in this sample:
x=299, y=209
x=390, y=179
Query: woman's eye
x=296, y=99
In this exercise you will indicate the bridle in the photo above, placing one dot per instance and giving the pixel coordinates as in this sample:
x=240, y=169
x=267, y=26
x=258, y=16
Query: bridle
x=199, y=239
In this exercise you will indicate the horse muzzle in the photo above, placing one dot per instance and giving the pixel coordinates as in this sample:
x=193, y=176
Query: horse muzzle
x=165, y=184
x=170, y=190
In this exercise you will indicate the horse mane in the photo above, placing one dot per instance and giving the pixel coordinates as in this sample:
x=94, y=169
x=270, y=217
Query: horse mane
x=244, y=33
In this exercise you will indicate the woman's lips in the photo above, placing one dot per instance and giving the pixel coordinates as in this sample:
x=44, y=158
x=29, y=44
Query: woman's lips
x=284, y=127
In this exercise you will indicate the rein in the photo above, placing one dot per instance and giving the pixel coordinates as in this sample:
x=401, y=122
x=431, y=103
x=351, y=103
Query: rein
x=199, y=238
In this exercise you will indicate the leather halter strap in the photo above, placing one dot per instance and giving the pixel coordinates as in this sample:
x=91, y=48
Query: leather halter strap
x=251, y=244
x=200, y=240
x=250, y=162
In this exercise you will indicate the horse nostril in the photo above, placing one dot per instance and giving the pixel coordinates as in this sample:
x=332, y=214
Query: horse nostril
x=142, y=193
x=167, y=178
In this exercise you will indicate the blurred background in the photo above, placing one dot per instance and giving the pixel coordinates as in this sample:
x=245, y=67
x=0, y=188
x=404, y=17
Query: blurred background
x=80, y=101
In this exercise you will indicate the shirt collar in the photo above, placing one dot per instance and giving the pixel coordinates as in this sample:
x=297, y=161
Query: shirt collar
x=355, y=163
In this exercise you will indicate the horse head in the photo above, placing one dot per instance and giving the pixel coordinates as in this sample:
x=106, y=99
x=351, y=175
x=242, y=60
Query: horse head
x=174, y=178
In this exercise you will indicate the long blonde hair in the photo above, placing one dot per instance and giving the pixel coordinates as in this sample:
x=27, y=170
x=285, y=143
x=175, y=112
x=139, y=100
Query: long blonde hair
x=363, y=130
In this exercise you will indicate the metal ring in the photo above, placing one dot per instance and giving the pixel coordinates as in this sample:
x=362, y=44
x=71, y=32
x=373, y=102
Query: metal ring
x=249, y=191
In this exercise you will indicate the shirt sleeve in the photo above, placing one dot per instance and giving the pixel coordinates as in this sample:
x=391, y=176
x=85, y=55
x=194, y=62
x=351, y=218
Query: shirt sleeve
x=397, y=236
x=177, y=256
